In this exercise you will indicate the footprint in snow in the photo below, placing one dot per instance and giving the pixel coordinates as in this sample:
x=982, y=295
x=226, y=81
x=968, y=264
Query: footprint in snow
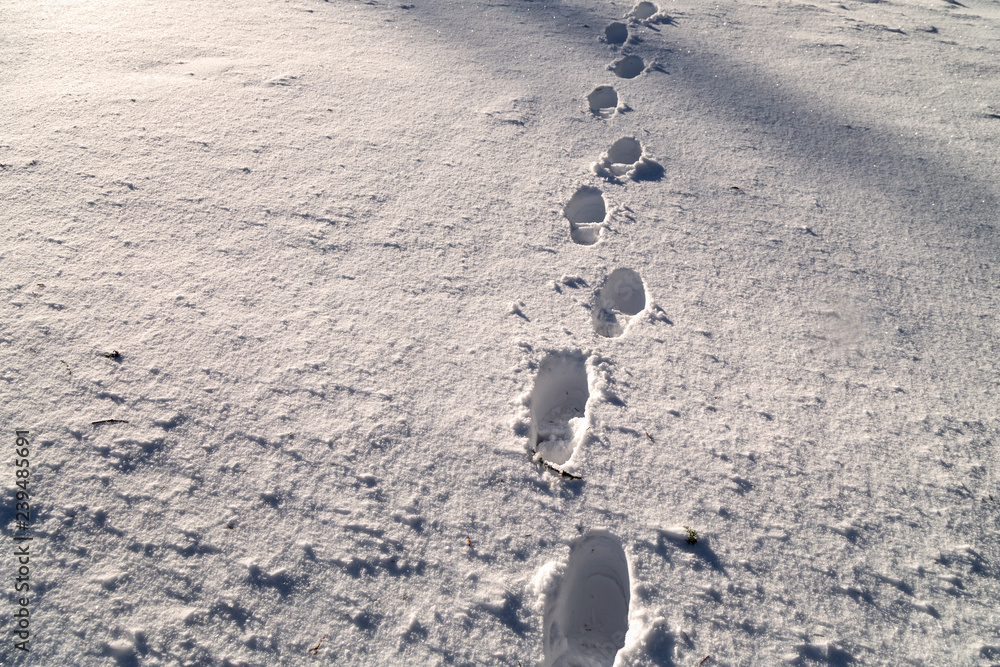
x=587, y=619
x=644, y=10
x=616, y=33
x=587, y=213
x=647, y=13
x=618, y=302
x=628, y=67
x=603, y=101
x=559, y=407
x=627, y=157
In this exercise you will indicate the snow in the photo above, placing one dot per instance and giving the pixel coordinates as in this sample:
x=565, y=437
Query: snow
x=619, y=302
x=343, y=329
x=588, y=215
x=627, y=157
x=587, y=617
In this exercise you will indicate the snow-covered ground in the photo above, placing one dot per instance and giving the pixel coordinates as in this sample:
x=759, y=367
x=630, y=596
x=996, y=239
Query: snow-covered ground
x=502, y=333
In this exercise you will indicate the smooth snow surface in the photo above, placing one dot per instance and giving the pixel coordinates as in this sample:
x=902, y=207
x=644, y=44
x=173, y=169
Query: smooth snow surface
x=338, y=325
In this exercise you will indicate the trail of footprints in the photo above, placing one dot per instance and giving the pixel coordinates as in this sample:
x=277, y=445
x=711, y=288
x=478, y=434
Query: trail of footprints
x=586, y=612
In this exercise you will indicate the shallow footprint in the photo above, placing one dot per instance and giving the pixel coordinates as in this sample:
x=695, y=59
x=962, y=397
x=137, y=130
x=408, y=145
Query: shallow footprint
x=618, y=302
x=628, y=67
x=603, y=101
x=586, y=623
x=558, y=406
x=616, y=33
x=587, y=212
x=627, y=157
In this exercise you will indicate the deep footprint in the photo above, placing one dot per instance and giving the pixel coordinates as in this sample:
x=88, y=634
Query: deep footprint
x=647, y=13
x=627, y=157
x=587, y=212
x=618, y=302
x=558, y=407
x=603, y=101
x=628, y=67
x=644, y=10
x=616, y=33
x=626, y=150
x=587, y=622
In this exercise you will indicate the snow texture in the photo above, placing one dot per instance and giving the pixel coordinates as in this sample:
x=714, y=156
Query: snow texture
x=346, y=331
